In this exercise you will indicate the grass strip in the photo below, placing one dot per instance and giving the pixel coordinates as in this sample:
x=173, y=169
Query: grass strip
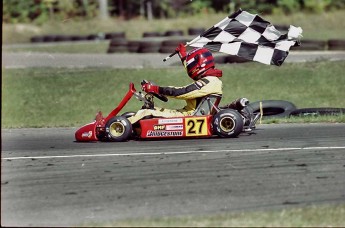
x=310, y=216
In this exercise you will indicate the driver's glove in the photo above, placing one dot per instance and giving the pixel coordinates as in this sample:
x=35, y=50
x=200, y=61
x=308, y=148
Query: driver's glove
x=181, y=50
x=149, y=88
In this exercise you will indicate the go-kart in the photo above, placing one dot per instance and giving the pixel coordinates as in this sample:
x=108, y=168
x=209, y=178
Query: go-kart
x=208, y=120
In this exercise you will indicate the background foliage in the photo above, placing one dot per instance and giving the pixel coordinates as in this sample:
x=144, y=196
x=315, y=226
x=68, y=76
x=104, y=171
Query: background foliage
x=39, y=11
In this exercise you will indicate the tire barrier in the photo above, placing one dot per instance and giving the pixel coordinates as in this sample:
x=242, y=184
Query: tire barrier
x=332, y=44
x=36, y=39
x=114, y=35
x=62, y=38
x=95, y=37
x=169, y=46
x=149, y=47
x=317, y=112
x=336, y=44
x=133, y=46
x=151, y=34
x=195, y=31
x=49, y=38
x=80, y=38
x=118, y=45
x=311, y=45
x=174, y=33
x=273, y=108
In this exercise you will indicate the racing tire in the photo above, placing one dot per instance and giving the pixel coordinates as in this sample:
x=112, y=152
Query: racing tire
x=118, y=129
x=273, y=108
x=228, y=123
x=318, y=112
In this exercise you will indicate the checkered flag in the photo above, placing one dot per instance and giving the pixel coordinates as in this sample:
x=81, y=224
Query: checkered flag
x=249, y=36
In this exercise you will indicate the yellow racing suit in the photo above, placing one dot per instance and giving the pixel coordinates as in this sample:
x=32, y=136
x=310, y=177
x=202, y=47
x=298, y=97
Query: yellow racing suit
x=192, y=94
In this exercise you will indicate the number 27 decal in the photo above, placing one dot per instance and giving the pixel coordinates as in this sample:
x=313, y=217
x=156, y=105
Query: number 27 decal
x=196, y=126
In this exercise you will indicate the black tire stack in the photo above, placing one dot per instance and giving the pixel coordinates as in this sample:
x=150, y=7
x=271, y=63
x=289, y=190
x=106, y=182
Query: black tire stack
x=336, y=44
x=177, y=33
x=118, y=42
x=318, y=112
x=311, y=45
x=169, y=46
x=195, y=31
x=133, y=46
x=118, y=45
x=151, y=34
x=149, y=46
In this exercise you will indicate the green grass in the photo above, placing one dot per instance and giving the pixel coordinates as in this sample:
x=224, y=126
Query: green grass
x=312, y=216
x=315, y=26
x=55, y=97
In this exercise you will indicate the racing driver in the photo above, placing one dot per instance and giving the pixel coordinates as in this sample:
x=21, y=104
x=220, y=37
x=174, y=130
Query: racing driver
x=200, y=66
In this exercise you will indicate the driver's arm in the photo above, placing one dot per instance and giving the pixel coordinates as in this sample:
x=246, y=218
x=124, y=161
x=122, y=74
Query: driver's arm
x=194, y=90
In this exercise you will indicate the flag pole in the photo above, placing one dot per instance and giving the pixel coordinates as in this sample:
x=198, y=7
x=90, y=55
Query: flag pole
x=187, y=44
x=171, y=55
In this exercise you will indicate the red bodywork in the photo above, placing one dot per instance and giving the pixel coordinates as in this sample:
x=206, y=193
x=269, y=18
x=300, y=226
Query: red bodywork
x=176, y=127
x=90, y=132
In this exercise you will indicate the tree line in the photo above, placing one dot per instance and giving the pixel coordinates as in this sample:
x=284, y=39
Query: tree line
x=39, y=11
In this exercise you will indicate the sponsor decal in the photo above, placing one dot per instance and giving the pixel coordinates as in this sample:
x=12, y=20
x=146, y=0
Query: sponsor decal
x=158, y=127
x=174, y=127
x=87, y=134
x=170, y=121
x=164, y=133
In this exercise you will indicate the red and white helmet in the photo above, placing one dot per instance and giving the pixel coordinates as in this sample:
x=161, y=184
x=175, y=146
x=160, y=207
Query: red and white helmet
x=198, y=61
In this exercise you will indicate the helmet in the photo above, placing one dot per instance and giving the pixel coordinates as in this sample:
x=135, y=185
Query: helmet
x=198, y=61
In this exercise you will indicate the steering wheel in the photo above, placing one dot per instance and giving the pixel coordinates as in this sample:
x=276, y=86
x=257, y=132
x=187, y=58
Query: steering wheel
x=159, y=96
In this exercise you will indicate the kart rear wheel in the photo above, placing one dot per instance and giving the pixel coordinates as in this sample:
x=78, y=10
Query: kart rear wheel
x=228, y=123
x=118, y=129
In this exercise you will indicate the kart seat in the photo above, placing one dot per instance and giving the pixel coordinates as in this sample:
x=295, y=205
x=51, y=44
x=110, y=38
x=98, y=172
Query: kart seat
x=208, y=105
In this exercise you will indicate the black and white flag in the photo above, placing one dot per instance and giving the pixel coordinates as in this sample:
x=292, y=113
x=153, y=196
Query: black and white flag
x=249, y=36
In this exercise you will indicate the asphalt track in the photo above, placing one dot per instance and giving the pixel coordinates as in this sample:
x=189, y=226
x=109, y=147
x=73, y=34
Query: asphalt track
x=50, y=180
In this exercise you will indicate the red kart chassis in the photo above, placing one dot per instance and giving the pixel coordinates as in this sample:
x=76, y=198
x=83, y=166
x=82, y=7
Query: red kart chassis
x=226, y=122
x=186, y=126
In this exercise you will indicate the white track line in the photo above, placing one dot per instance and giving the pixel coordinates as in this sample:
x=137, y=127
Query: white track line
x=176, y=152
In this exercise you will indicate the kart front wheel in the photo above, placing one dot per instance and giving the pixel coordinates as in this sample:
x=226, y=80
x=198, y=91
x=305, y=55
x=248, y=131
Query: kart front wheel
x=118, y=129
x=228, y=123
